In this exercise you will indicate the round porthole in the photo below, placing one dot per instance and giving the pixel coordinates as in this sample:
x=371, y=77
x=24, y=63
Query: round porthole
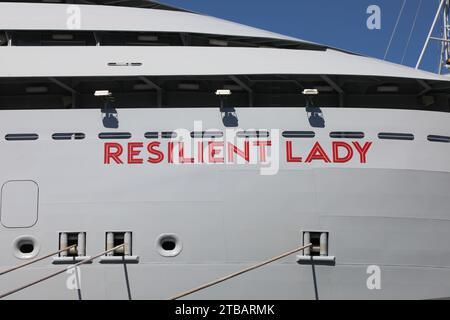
x=169, y=245
x=25, y=247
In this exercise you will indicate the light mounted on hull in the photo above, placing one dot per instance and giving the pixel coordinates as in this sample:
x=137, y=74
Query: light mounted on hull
x=102, y=93
x=109, y=112
x=228, y=114
x=310, y=92
x=223, y=92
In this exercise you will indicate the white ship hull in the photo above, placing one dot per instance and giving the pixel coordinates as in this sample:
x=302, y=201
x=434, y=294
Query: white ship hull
x=391, y=210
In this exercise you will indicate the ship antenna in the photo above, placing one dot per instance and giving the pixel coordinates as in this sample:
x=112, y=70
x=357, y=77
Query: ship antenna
x=443, y=9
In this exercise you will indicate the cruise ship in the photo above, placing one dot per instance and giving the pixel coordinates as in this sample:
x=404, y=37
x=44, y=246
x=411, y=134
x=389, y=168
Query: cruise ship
x=147, y=151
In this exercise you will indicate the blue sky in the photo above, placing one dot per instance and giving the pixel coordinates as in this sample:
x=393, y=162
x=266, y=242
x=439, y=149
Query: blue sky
x=338, y=23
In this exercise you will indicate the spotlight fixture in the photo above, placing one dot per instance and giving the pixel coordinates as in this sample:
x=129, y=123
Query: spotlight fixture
x=223, y=92
x=310, y=92
x=102, y=93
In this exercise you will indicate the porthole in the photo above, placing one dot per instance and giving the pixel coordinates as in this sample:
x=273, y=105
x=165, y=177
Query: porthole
x=168, y=245
x=25, y=247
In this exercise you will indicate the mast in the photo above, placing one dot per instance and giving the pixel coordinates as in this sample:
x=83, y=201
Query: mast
x=442, y=11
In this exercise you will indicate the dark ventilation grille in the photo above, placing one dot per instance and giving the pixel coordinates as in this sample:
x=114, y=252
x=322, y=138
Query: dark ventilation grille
x=395, y=136
x=169, y=135
x=207, y=134
x=298, y=134
x=151, y=135
x=68, y=136
x=347, y=135
x=435, y=138
x=253, y=134
x=21, y=136
x=114, y=135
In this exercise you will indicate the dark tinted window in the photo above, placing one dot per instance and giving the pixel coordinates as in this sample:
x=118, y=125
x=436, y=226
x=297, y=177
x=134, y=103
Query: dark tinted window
x=435, y=138
x=395, y=136
x=68, y=136
x=151, y=135
x=206, y=134
x=298, y=134
x=169, y=135
x=347, y=135
x=21, y=136
x=253, y=134
x=114, y=135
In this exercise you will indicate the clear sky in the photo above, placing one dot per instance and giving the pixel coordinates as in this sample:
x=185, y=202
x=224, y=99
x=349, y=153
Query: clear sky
x=338, y=23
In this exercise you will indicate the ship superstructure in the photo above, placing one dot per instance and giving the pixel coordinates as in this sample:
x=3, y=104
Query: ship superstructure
x=206, y=146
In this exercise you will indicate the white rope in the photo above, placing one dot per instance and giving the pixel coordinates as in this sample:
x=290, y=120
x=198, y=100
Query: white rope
x=59, y=272
x=212, y=283
x=36, y=260
x=411, y=32
x=395, y=29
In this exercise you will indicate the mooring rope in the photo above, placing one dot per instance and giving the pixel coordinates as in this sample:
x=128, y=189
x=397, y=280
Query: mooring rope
x=59, y=272
x=212, y=283
x=36, y=260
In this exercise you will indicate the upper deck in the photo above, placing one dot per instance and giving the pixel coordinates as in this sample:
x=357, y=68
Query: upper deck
x=151, y=55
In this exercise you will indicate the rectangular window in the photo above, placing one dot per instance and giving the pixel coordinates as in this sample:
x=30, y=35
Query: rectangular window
x=206, y=134
x=151, y=135
x=168, y=135
x=114, y=135
x=68, y=136
x=395, y=136
x=347, y=135
x=298, y=134
x=21, y=136
x=253, y=134
x=435, y=138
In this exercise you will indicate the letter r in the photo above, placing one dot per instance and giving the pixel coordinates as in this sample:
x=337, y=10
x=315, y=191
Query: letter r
x=113, y=151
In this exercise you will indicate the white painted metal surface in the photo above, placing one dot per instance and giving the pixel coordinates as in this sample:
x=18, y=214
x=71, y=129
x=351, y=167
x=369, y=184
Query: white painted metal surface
x=107, y=18
x=231, y=216
x=391, y=210
x=19, y=204
x=88, y=61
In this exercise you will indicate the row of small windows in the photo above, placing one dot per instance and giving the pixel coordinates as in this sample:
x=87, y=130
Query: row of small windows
x=219, y=134
x=130, y=38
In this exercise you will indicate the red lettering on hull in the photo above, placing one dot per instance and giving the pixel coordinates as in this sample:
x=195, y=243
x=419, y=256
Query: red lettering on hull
x=216, y=152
